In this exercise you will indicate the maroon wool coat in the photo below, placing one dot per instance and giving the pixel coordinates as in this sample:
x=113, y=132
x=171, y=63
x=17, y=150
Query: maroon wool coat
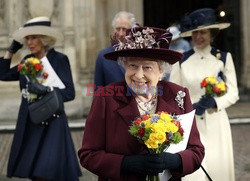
x=106, y=138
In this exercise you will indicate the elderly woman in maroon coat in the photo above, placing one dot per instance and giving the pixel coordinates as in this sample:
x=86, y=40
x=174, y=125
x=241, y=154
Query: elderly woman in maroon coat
x=108, y=149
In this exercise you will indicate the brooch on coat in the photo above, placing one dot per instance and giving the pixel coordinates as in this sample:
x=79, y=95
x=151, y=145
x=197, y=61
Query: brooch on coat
x=179, y=99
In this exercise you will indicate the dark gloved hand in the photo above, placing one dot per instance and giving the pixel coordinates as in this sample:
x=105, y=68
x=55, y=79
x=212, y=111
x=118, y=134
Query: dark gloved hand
x=203, y=104
x=14, y=47
x=38, y=89
x=143, y=164
x=171, y=161
x=198, y=109
x=207, y=102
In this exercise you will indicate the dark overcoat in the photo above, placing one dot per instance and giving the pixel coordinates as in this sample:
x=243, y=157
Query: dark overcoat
x=40, y=150
x=106, y=138
x=107, y=71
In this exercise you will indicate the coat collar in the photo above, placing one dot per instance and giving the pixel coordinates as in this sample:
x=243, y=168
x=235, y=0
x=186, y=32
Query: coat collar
x=128, y=110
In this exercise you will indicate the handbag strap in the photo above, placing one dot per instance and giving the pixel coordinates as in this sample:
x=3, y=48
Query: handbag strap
x=204, y=170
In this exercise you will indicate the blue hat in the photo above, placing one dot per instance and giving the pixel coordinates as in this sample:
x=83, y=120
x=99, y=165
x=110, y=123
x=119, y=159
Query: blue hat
x=200, y=19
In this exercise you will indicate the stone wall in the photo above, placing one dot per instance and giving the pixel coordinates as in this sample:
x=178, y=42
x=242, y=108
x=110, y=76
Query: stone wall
x=86, y=25
x=245, y=40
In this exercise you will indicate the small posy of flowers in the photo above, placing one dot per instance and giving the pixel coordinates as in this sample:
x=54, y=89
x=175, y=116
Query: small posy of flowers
x=32, y=67
x=157, y=131
x=214, y=86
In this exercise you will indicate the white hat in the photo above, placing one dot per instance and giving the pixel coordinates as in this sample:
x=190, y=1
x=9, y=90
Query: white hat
x=175, y=31
x=37, y=26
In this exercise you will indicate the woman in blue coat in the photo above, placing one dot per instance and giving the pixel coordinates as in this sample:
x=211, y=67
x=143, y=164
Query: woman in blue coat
x=41, y=151
x=108, y=149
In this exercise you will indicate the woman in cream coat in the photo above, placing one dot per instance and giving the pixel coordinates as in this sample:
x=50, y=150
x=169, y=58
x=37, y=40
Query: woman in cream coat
x=212, y=120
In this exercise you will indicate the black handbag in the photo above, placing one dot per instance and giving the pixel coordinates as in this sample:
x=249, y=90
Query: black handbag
x=46, y=108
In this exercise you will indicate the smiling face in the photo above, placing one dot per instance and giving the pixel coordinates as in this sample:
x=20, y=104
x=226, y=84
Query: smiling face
x=142, y=74
x=35, y=45
x=201, y=38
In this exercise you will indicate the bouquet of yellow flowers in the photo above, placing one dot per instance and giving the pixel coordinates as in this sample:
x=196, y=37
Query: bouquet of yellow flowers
x=213, y=86
x=157, y=132
x=32, y=67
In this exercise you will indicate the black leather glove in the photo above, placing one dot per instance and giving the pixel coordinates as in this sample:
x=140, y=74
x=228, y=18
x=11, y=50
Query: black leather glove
x=14, y=47
x=143, y=164
x=38, y=89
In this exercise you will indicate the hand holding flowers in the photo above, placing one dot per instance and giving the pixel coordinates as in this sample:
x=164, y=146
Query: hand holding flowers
x=157, y=132
x=33, y=69
x=214, y=87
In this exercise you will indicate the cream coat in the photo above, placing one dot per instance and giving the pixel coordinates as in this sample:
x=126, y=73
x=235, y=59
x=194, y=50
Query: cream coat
x=214, y=124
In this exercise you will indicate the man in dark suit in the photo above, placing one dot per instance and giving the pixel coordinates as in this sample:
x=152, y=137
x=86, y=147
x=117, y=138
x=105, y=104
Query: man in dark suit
x=108, y=71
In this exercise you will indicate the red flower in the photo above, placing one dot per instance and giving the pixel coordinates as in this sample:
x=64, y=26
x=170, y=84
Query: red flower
x=203, y=83
x=38, y=67
x=216, y=90
x=138, y=121
x=145, y=117
x=19, y=67
x=166, y=139
x=181, y=131
x=177, y=123
x=141, y=132
x=45, y=75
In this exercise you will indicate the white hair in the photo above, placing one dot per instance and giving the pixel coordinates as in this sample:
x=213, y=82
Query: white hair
x=164, y=66
x=128, y=15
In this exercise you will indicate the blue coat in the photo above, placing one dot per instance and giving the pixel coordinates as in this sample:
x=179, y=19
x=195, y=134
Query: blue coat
x=107, y=71
x=106, y=138
x=38, y=150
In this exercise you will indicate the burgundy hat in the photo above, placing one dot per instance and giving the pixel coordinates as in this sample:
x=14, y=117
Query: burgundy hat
x=146, y=42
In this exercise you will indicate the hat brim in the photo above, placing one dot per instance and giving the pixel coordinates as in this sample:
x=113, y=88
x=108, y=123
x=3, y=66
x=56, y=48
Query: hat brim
x=220, y=26
x=37, y=30
x=166, y=55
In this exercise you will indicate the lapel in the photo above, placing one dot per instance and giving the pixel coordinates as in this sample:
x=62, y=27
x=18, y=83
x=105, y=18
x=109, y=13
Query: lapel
x=51, y=55
x=166, y=101
x=127, y=109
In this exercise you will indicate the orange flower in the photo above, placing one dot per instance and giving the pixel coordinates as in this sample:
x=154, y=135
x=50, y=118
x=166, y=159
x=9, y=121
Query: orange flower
x=145, y=117
x=38, y=67
x=204, y=83
x=138, y=121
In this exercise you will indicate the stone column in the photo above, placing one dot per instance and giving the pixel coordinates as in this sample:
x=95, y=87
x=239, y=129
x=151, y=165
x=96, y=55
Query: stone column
x=245, y=39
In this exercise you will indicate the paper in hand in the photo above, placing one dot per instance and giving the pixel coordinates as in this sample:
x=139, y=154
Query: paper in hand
x=186, y=121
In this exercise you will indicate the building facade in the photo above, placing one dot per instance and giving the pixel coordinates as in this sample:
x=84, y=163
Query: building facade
x=86, y=25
